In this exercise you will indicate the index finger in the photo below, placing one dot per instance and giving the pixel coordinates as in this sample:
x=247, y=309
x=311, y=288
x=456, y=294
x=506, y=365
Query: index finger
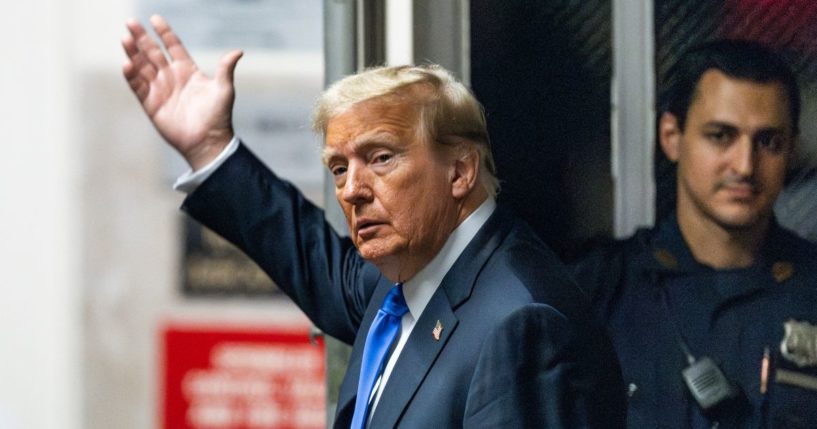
x=172, y=43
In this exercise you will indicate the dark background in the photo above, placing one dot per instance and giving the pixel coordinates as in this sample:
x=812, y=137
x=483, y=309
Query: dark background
x=543, y=69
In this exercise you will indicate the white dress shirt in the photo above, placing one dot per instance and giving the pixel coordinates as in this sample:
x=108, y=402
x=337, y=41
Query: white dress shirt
x=189, y=181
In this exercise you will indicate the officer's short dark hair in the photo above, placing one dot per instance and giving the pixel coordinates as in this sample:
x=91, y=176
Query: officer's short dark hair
x=740, y=59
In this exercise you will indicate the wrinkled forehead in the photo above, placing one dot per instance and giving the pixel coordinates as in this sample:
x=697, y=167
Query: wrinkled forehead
x=403, y=111
x=370, y=124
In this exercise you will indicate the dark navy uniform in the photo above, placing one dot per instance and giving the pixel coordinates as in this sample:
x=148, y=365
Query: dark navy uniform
x=656, y=300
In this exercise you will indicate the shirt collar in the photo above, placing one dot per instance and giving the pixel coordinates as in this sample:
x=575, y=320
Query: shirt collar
x=419, y=289
x=670, y=241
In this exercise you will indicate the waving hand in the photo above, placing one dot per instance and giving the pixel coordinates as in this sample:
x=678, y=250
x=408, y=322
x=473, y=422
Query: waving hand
x=192, y=111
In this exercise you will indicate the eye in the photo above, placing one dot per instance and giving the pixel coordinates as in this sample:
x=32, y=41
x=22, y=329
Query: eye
x=771, y=142
x=719, y=137
x=382, y=157
x=337, y=170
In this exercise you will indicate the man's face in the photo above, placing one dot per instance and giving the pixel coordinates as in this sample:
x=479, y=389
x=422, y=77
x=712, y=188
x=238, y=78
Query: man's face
x=733, y=153
x=393, y=187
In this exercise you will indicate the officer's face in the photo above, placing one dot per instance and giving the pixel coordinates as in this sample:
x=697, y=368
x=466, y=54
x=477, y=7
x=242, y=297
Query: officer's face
x=733, y=153
x=393, y=186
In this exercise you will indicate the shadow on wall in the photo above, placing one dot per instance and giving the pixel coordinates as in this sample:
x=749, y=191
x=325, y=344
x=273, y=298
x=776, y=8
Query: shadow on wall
x=542, y=70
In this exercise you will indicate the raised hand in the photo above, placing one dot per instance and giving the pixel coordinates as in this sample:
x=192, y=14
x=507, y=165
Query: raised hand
x=192, y=111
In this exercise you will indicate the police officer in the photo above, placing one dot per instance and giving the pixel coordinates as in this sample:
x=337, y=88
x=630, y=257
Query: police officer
x=713, y=312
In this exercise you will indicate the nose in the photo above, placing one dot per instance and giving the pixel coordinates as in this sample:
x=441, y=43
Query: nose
x=357, y=187
x=744, y=157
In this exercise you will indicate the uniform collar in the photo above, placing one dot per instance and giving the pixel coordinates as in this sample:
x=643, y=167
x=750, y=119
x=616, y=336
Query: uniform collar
x=669, y=251
x=669, y=254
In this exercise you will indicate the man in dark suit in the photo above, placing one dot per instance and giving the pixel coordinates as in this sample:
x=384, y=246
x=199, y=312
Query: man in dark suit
x=458, y=315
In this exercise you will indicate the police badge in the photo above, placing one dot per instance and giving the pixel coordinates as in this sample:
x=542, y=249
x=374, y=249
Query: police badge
x=799, y=343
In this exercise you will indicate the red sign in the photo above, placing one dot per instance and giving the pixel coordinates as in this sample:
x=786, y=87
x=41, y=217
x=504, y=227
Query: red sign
x=223, y=378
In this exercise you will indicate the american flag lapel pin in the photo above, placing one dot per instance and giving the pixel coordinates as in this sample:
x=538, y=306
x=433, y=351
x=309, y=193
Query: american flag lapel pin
x=437, y=331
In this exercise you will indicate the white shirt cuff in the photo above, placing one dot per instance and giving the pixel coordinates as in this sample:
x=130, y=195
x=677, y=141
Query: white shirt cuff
x=190, y=180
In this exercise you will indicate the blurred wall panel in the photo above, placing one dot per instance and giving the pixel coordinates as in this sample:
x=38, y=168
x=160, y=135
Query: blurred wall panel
x=131, y=233
x=39, y=227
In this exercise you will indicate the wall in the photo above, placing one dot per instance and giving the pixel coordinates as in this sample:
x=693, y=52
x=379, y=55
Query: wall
x=39, y=317
x=89, y=228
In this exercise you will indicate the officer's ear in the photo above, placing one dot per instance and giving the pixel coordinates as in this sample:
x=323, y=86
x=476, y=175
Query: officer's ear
x=669, y=135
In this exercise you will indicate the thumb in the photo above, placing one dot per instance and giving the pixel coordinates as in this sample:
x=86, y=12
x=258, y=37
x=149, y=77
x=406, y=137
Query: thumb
x=226, y=67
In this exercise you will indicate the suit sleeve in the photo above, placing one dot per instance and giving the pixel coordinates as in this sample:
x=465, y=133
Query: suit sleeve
x=540, y=370
x=600, y=273
x=289, y=238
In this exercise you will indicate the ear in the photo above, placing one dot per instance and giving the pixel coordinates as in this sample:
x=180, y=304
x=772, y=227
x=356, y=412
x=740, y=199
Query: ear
x=669, y=136
x=794, y=153
x=464, y=173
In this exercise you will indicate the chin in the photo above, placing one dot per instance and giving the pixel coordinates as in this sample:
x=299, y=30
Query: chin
x=375, y=251
x=742, y=219
x=369, y=254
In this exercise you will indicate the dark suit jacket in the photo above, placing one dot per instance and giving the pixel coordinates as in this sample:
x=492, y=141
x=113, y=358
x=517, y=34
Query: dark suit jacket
x=516, y=350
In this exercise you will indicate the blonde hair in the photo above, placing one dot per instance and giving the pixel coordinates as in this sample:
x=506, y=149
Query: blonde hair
x=449, y=114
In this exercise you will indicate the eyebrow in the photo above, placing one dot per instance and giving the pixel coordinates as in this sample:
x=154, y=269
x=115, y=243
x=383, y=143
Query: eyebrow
x=719, y=124
x=362, y=143
x=327, y=155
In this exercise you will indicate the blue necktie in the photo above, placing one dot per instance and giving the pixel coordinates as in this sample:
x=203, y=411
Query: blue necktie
x=378, y=342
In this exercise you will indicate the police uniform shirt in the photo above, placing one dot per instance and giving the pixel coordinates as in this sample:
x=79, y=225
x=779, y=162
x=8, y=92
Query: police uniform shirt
x=652, y=295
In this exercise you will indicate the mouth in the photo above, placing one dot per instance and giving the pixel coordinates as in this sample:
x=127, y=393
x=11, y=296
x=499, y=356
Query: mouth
x=367, y=228
x=741, y=191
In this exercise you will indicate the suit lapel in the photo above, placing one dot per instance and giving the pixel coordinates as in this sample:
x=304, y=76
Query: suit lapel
x=416, y=359
x=462, y=277
x=422, y=348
